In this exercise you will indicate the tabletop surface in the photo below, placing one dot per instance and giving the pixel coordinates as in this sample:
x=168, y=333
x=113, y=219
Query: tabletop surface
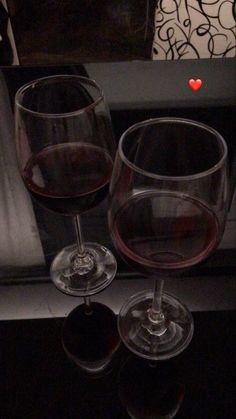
x=38, y=381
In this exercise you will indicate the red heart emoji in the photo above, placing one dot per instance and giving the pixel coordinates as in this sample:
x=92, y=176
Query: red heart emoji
x=195, y=84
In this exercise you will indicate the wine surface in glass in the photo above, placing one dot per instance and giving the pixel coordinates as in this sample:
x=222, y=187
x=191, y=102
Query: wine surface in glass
x=69, y=178
x=164, y=231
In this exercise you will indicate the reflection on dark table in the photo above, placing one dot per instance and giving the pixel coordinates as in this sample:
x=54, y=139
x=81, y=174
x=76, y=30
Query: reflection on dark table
x=151, y=390
x=38, y=381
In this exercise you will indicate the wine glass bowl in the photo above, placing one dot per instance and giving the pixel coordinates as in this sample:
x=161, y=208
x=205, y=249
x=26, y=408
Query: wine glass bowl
x=65, y=150
x=168, y=206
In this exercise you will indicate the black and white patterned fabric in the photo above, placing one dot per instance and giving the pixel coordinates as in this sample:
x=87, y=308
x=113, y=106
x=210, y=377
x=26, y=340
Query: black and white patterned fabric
x=194, y=29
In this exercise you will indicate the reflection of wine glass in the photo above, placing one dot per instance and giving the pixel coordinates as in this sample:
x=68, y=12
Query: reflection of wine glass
x=167, y=213
x=65, y=150
x=91, y=342
x=148, y=391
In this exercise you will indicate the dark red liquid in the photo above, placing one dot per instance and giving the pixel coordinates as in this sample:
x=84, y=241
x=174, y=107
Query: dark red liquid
x=69, y=178
x=164, y=231
x=90, y=337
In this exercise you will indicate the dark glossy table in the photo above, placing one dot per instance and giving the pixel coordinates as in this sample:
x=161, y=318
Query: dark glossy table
x=38, y=381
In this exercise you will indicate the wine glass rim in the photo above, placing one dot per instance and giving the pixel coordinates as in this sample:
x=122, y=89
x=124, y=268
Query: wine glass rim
x=26, y=86
x=186, y=121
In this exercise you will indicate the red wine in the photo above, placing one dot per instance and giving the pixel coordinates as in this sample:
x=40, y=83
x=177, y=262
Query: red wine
x=164, y=231
x=90, y=338
x=69, y=178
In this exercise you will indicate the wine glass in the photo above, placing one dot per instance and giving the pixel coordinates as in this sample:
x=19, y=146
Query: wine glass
x=168, y=206
x=65, y=151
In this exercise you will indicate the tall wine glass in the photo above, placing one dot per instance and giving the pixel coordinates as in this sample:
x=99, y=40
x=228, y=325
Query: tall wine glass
x=65, y=150
x=168, y=206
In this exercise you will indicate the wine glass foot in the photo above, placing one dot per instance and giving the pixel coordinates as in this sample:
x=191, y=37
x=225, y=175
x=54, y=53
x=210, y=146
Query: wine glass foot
x=91, y=339
x=141, y=338
x=83, y=281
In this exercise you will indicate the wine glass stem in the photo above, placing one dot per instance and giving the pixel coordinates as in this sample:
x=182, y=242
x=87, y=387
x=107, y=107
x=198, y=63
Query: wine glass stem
x=83, y=262
x=157, y=295
x=79, y=236
x=156, y=317
x=88, y=306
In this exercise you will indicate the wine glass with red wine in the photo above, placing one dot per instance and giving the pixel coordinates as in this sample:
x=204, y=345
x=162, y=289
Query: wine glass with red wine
x=168, y=206
x=65, y=150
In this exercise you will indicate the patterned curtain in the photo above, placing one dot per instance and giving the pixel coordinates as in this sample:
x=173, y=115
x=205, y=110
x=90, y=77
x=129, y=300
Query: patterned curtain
x=194, y=29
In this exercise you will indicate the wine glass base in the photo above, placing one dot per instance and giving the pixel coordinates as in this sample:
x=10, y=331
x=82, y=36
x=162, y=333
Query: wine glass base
x=91, y=339
x=67, y=280
x=136, y=332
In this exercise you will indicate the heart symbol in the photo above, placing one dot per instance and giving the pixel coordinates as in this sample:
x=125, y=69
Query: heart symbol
x=195, y=84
